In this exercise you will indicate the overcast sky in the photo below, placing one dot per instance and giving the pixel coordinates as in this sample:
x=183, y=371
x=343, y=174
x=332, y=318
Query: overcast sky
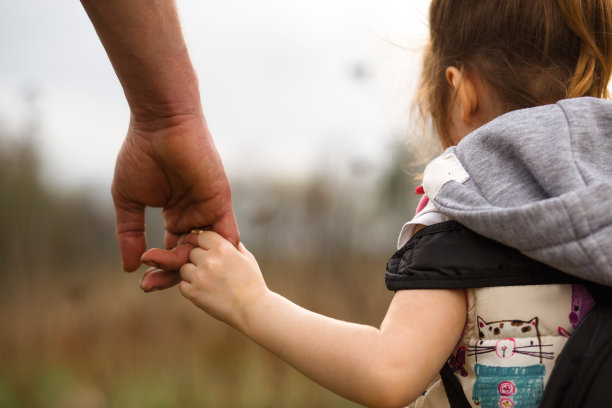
x=287, y=86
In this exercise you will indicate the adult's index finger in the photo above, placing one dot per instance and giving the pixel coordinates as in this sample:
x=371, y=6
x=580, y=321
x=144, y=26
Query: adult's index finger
x=130, y=232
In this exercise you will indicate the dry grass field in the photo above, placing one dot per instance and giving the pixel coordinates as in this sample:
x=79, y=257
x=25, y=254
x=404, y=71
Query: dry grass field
x=94, y=340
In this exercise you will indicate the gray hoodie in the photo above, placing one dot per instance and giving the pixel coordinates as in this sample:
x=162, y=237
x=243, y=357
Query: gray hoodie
x=540, y=180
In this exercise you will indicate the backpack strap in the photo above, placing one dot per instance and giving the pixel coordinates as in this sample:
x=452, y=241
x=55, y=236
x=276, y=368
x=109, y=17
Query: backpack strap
x=454, y=390
x=450, y=256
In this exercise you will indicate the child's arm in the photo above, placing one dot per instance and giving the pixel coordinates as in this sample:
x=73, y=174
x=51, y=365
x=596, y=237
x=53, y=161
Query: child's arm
x=390, y=366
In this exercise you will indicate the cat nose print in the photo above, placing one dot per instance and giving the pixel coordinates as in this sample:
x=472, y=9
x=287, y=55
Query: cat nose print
x=505, y=348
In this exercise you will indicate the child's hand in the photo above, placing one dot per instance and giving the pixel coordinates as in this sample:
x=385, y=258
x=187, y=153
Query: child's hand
x=222, y=280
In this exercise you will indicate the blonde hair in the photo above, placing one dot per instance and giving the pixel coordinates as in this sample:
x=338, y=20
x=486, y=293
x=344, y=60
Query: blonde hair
x=530, y=52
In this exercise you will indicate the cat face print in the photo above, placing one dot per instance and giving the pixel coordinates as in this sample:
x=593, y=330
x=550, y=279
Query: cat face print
x=507, y=329
x=509, y=342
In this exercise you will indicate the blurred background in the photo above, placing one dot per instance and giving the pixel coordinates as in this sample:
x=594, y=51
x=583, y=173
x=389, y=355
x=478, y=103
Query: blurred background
x=308, y=102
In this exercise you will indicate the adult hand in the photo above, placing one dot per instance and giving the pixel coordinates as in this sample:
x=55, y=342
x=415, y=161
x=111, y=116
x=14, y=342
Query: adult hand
x=168, y=158
x=173, y=164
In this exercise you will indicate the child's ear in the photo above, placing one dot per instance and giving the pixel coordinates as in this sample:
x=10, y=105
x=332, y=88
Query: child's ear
x=465, y=90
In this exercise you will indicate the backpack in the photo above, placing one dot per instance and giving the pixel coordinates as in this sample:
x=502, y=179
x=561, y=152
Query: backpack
x=583, y=373
x=450, y=256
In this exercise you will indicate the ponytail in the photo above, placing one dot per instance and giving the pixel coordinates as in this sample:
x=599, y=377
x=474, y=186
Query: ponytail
x=591, y=22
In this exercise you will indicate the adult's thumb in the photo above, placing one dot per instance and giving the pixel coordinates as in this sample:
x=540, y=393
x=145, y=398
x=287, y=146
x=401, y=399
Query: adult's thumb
x=227, y=227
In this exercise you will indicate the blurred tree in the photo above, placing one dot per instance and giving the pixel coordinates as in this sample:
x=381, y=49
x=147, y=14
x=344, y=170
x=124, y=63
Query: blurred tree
x=43, y=227
x=328, y=217
x=396, y=197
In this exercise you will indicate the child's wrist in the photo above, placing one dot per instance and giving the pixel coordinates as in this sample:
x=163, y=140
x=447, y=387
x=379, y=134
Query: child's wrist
x=254, y=310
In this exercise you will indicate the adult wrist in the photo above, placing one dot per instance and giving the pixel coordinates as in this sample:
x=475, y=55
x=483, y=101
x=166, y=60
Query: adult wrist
x=172, y=102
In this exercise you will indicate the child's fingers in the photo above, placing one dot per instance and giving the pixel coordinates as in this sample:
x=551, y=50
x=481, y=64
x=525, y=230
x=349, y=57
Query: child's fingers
x=210, y=240
x=186, y=289
x=187, y=271
x=242, y=249
x=196, y=256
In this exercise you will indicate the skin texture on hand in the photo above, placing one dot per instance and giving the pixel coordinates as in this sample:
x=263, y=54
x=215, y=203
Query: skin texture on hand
x=168, y=158
x=226, y=279
x=176, y=168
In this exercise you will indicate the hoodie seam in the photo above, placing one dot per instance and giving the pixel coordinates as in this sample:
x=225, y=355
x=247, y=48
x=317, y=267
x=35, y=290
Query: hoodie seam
x=571, y=143
x=579, y=240
x=576, y=239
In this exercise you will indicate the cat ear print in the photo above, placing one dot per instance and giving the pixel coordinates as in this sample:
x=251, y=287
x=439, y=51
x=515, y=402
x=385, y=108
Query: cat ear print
x=533, y=322
x=481, y=322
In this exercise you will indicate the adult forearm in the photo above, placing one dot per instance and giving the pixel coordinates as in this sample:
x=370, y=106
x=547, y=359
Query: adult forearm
x=145, y=44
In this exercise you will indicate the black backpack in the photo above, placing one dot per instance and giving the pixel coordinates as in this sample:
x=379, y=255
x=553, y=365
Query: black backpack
x=450, y=256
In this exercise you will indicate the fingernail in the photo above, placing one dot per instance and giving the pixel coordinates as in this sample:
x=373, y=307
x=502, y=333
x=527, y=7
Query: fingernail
x=151, y=263
x=197, y=231
x=154, y=289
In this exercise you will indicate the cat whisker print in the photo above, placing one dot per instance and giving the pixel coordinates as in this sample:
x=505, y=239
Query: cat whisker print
x=481, y=349
x=475, y=350
x=548, y=356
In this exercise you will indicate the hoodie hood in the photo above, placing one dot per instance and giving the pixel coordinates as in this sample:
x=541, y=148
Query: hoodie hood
x=538, y=180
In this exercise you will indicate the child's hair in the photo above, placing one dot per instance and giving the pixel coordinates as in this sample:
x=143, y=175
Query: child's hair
x=530, y=52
